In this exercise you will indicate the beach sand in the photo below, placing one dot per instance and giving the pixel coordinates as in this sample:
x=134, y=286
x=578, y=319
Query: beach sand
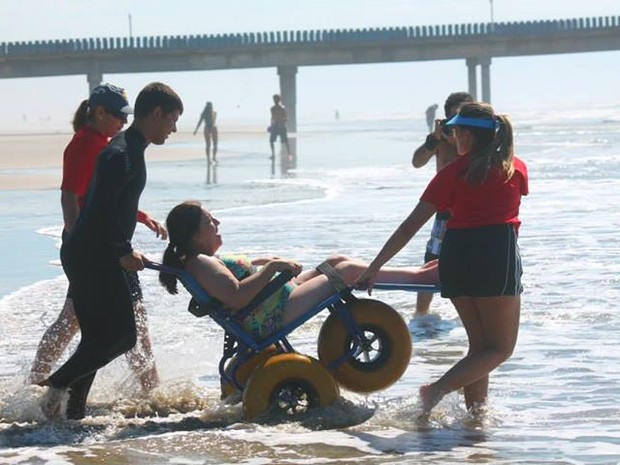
x=34, y=161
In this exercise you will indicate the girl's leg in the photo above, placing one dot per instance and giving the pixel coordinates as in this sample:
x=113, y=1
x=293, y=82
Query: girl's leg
x=208, y=142
x=333, y=260
x=492, y=325
x=305, y=296
x=141, y=358
x=54, y=342
x=352, y=269
x=214, y=135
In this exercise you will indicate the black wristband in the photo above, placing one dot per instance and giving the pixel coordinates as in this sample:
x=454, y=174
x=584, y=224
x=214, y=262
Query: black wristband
x=431, y=143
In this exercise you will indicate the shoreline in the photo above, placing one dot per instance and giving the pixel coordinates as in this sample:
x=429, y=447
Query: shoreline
x=34, y=161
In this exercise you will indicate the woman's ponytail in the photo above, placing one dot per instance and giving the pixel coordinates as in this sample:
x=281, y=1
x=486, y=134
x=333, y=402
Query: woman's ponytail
x=183, y=222
x=171, y=259
x=81, y=116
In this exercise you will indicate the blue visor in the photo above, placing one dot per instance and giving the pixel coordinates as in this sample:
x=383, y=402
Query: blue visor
x=485, y=123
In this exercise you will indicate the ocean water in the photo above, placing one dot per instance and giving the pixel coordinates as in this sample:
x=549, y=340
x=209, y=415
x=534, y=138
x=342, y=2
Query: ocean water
x=557, y=400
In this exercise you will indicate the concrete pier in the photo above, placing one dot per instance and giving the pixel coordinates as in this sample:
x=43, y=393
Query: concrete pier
x=475, y=43
x=288, y=92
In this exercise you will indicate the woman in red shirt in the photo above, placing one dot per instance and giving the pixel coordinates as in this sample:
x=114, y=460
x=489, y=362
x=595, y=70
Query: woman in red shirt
x=479, y=265
x=97, y=119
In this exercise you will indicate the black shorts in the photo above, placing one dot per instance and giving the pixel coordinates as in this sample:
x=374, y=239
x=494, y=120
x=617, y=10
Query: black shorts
x=480, y=262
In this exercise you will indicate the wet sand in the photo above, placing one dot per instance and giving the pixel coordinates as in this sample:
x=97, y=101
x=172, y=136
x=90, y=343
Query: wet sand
x=34, y=161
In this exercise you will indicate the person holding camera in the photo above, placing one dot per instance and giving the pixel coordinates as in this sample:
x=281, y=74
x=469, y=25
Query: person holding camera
x=441, y=144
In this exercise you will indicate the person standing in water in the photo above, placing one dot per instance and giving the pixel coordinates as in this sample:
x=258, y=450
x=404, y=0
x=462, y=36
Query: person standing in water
x=208, y=117
x=430, y=116
x=97, y=119
x=278, y=125
x=479, y=264
x=441, y=144
x=98, y=250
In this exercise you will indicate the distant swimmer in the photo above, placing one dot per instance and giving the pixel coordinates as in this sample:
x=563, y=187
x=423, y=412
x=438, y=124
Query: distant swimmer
x=441, y=144
x=278, y=125
x=98, y=251
x=430, y=116
x=208, y=116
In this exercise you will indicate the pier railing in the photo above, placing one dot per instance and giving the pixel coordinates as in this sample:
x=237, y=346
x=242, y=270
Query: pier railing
x=306, y=37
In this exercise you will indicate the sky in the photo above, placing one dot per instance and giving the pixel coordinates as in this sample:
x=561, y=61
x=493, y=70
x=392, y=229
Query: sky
x=356, y=91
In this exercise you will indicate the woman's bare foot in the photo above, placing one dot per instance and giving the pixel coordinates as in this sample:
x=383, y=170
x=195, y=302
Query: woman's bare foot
x=429, y=397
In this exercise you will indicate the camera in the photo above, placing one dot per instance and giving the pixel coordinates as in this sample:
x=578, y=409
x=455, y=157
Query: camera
x=445, y=130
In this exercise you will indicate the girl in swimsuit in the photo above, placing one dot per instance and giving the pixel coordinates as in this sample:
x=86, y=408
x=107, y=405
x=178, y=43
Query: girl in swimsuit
x=210, y=130
x=235, y=281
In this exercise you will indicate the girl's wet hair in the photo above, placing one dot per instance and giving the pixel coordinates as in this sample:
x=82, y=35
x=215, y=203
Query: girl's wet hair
x=182, y=223
x=493, y=147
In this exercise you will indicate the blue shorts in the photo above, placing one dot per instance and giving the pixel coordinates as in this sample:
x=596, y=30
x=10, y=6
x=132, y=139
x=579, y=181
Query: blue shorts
x=278, y=130
x=480, y=262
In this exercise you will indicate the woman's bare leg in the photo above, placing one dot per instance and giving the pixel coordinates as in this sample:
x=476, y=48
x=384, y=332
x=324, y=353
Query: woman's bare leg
x=333, y=260
x=208, y=142
x=305, y=296
x=492, y=325
x=54, y=342
x=428, y=274
x=314, y=287
x=214, y=136
x=352, y=268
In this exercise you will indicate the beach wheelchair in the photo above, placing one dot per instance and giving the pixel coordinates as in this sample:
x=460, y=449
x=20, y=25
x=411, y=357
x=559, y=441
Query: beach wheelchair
x=364, y=346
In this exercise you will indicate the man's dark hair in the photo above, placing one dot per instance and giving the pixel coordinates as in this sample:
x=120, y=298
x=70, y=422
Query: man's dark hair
x=157, y=94
x=456, y=99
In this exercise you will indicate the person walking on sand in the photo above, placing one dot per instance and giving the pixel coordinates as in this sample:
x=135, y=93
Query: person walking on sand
x=479, y=264
x=208, y=116
x=97, y=119
x=441, y=144
x=278, y=125
x=99, y=248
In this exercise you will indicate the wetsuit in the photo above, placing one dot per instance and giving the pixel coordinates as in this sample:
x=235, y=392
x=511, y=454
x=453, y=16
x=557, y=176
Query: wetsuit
x=79, y=159
x=90, y=257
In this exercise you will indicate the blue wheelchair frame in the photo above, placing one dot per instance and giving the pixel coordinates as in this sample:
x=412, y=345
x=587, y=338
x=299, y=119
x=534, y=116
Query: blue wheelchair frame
x=238, y=342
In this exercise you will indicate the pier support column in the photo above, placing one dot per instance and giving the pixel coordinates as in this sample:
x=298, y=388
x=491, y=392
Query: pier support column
x=288, y=92
x=485, y=72
x=472, y=83
x=94, y=79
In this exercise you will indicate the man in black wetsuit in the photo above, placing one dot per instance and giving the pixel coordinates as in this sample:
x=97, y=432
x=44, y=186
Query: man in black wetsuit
x=99, y=247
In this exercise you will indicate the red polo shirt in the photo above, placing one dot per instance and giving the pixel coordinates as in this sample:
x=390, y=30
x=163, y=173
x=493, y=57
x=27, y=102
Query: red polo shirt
x=496, y=201
x=79, y=160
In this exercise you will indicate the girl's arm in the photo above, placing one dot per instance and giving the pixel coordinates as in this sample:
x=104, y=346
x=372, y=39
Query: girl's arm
x=70, y=203
x=222, y=284
x=399, y=238
x=260, y=261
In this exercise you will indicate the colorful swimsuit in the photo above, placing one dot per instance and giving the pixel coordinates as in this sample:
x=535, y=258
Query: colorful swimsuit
x=267, y=318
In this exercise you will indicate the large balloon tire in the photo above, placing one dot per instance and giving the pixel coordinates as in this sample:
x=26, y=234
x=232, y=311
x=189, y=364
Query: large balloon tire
x=245, y=370
x=288, y=383
x=385, y=357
